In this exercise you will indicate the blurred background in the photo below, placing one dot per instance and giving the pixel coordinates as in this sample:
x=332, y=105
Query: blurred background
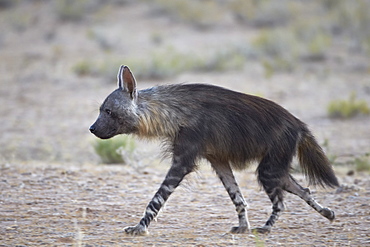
x=59, y=60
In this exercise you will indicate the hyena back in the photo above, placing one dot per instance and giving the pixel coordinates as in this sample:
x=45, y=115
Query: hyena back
x=227, y=128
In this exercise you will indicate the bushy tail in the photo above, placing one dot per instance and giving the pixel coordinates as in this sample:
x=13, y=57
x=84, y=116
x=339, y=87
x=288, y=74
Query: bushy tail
x=314, y=162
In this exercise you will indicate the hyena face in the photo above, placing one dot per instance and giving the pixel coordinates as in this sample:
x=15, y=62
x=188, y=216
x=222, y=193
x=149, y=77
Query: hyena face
x=118, y=112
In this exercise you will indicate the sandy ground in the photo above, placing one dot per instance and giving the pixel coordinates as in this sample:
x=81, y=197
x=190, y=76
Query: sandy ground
x=89, y=206
x=54, y=192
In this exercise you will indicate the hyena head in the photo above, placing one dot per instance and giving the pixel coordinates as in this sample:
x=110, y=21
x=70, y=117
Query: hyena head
x=118, y=112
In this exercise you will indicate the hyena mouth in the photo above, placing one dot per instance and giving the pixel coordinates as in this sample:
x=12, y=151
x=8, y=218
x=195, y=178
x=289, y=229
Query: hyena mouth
x=108, y=135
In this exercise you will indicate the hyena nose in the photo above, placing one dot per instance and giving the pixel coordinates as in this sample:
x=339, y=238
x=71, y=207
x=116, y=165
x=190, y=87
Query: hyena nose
x=92, y=129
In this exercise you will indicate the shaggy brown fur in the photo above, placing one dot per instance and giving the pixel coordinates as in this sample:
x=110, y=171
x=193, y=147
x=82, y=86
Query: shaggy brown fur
x=227, y=128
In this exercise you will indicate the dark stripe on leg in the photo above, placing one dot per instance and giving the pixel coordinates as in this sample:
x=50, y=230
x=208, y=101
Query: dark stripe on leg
x=227, y=178
x=185, y=152
x=293, y=187
x=271, y=178
x=174, y=177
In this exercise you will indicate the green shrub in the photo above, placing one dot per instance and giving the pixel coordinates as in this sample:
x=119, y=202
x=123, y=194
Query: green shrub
x=348, y=108
x=314, y=39
x=277, y=49
x=115, y=150
x=362, y=164
x=83, y=68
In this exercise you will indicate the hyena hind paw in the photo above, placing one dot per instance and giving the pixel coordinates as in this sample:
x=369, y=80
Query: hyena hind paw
x=328, y=213
x=137, y=230
x=239, y=229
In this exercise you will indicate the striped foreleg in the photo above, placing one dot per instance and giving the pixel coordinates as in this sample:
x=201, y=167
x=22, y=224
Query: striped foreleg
x=174, y=177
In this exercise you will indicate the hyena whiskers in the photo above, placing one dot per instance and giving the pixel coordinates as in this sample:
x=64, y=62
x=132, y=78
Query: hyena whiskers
x=227, y=128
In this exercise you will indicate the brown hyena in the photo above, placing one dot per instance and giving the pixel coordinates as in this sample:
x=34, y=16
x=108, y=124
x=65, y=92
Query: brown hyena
x=227, y=128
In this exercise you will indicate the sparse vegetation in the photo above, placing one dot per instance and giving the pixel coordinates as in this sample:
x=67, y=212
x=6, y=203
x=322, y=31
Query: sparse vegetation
x=348, y=108
x=259, y=241
x=70, y=10
x=362, y=164
x=332, y=157
x=52, y=191
x=286, y=36
x=351, y=19
x=289, y=31
x=164, y=63
x=100, y=37
x=83, y=68
x=280, y=49
x=200, y=14
x=268, y=13
x=114, y=150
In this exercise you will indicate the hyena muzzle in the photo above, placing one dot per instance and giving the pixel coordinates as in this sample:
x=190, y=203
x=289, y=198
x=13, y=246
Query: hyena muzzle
x=227, y=128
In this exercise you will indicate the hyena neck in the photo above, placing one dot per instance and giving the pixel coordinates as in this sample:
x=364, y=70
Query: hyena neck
x=157, y=116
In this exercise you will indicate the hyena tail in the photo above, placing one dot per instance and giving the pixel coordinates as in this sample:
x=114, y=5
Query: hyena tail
x=314, y=162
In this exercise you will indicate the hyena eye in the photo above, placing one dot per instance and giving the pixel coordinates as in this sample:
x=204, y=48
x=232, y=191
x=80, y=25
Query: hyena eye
x=109, y=112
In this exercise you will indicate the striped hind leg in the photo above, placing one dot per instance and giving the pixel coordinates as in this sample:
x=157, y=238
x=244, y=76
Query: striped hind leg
x=224, y=172
x=276, y=196
x=272, y=176
x=293, y=187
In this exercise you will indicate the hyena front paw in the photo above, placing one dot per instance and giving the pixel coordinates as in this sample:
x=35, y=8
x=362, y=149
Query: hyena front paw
x=138, y=230
x=328, y=213
x=239, y=229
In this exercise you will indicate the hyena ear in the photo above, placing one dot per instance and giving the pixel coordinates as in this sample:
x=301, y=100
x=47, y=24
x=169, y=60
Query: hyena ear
x=126, y=81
